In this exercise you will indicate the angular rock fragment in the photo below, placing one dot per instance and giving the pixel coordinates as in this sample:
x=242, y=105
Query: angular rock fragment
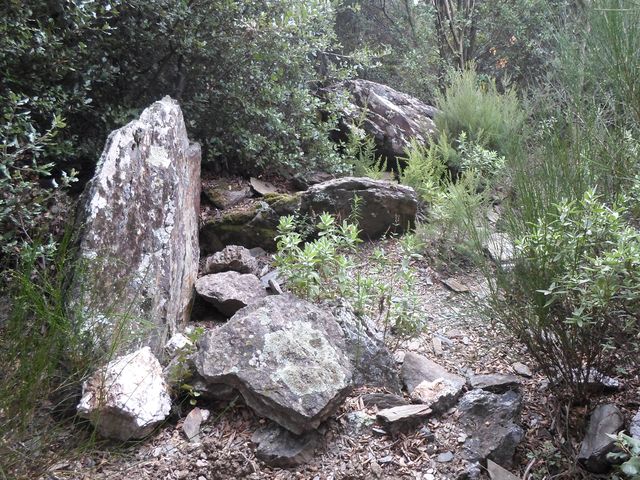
x=522, y=370
x=490, y=421
x=191, y=425
x=232, y=257
x=230, y=291
x=605, y=420
x=439, y=395
x=285, y=356
x=494, y=382
x=384, y=206
x=138, y=233
x=496, y=472
x=429, y=383
x=278, y=447
x=127, y=398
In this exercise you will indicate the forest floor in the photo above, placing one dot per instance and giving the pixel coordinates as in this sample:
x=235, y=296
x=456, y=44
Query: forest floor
x=460, y=335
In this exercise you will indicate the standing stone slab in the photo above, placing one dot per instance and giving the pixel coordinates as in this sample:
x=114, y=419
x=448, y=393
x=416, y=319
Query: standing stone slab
x=138, y=239
x=285, y=356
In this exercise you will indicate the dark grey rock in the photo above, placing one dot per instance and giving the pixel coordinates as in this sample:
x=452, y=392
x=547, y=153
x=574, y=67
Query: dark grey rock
x=385, y=207
x=302, y=181
x=494, y=382
x=232, y=257
x=605, y=420
x=392, y=118
x=373, y=364
x=285, y=356
x=138, y=232
x=490, y=421
x=230, y=291
x=278, y=447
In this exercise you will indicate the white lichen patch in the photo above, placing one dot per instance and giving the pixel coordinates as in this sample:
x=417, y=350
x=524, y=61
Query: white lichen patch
x=158, y=157
x=307, y=362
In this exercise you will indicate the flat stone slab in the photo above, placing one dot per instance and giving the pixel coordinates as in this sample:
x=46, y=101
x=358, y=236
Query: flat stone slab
x=285, y=356
x=406, y=416
x=494, y=382
x=230, y=291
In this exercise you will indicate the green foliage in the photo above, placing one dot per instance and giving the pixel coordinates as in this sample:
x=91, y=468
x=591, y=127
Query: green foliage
x=317, y=269
x=489, y=119
x=360, y=151
x=326, y=268
x=629, y=454
x=425, y=168
x=576, y=285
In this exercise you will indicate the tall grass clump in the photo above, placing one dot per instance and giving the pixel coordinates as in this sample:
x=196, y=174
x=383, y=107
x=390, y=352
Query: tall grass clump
x=475, y=106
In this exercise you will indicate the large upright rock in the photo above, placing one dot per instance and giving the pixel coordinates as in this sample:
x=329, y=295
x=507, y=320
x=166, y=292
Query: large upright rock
x=384, y=206
x=285, y=356
x=138, y=239
x=392, y=118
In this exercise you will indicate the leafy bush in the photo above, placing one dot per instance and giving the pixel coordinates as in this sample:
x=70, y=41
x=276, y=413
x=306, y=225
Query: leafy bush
x=575, y=291
x=629, y=454
x=326, y=268
x=488, y=118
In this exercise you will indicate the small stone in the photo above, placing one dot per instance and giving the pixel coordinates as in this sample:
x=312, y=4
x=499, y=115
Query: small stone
x=455, y=285
x=438, y=395
x=437, y=346
x=462, y=438
x=494, y=382
x=444, y=457
x=406, y=416
x=191, y=425
x=376, y=469
x=522, y=370
x=177, y=343
x=429, y=476
x=275, y=287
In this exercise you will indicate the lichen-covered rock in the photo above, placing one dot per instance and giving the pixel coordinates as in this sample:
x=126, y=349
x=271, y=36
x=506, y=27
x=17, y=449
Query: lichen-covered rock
x=138, y=233
x=127, y=398
x=385, y=207
x=232, y=257
x=230, y=291
x=254, y=225
x=285, y=356
x=392, y=118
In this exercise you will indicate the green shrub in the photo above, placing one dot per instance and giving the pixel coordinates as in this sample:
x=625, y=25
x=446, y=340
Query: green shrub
x=629, y=454
x=326, y=268
x=488, y=118
x=574, y=291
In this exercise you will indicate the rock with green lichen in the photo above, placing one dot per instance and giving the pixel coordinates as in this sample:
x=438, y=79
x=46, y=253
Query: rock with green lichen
x=254, y=225
x=287, y=358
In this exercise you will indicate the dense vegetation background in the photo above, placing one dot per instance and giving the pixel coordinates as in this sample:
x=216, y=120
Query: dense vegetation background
x=538, y=99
